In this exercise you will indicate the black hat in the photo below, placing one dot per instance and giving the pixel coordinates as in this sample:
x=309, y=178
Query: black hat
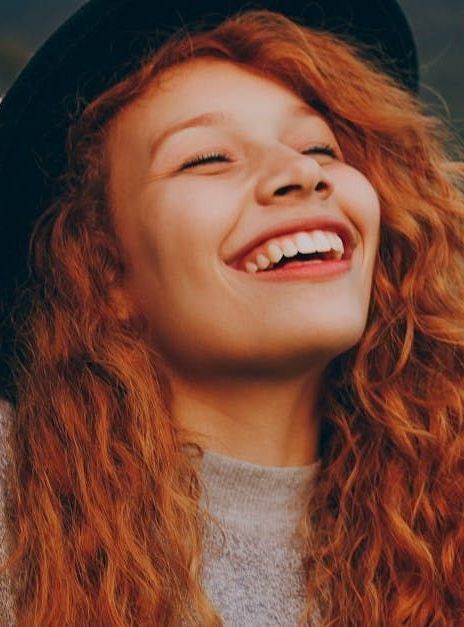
x=101, y=44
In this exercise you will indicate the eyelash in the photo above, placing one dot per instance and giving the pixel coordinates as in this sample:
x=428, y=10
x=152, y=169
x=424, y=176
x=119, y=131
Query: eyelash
x=214, y=156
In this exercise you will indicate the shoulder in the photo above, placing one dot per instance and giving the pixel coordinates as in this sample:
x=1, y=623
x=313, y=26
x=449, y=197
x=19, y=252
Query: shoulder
x=6, y=600
x=6, y=456
x=6, y=417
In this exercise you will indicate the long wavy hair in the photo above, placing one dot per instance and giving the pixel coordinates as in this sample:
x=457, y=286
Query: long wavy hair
x=107, y=524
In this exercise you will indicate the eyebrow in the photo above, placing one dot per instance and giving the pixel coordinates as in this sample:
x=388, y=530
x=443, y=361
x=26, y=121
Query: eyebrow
x=214, y=118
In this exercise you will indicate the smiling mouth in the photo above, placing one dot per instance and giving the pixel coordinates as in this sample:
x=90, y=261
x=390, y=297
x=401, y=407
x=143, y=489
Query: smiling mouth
x=304, y=241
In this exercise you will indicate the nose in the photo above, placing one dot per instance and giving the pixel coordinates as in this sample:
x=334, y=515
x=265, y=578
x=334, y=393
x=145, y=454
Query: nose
x=296, y=176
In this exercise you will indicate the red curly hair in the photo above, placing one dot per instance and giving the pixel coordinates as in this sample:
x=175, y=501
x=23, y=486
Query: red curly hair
x=108, y=529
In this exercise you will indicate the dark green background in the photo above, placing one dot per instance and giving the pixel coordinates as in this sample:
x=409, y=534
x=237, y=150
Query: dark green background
x=437, y=24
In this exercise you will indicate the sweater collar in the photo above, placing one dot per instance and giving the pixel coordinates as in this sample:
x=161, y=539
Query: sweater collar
x=254, y=498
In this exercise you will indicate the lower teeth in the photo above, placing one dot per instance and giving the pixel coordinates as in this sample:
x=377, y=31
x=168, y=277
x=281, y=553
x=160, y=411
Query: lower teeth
x=295, y=262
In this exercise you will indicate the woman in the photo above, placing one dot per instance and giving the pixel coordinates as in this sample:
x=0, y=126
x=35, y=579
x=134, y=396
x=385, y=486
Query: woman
x=204, y=432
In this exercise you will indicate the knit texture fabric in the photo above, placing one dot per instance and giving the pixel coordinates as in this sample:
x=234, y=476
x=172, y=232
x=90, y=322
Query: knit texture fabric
x=252, y=560
x=6, y=598
x=253, y=573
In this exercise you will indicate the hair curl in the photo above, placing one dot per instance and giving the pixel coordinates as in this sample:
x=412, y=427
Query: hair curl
x=384, y=528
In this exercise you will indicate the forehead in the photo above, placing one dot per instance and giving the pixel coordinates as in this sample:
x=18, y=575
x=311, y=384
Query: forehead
x=198, y=72
x=206, y=84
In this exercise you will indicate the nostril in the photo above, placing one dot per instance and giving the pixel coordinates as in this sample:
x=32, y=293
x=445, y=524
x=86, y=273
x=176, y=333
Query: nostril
x=286, y=188
x=321, y=186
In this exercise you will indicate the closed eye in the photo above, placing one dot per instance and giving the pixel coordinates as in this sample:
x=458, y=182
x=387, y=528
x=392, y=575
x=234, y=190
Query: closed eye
x=206, y=158
x=213, y=157
x=322, y=150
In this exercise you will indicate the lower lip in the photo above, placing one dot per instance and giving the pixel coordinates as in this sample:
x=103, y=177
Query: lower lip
x=304, y=270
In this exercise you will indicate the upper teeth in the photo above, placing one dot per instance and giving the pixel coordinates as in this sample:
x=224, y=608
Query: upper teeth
x=290, y=245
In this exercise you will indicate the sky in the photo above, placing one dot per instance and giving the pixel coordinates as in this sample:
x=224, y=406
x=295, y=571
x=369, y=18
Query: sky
x=438, y=26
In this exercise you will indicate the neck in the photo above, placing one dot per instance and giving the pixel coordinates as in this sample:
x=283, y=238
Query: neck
x=263, y=422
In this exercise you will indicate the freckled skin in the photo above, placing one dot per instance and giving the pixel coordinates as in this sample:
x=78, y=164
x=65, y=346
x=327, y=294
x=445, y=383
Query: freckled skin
x=246, y=357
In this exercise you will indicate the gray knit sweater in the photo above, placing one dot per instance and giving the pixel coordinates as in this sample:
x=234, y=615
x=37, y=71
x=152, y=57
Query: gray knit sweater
x=256, y=578
x=6, y=599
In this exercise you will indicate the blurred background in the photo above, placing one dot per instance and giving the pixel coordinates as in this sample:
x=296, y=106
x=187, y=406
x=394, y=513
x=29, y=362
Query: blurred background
x=438, y=26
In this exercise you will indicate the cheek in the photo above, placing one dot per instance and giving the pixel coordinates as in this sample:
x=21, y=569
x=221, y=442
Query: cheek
x=359, y=199
x=188, y=219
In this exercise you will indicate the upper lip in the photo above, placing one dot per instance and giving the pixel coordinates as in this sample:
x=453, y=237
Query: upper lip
x=322, y=222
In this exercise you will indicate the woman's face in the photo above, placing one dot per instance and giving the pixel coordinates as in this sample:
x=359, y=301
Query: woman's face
x=181, y=224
